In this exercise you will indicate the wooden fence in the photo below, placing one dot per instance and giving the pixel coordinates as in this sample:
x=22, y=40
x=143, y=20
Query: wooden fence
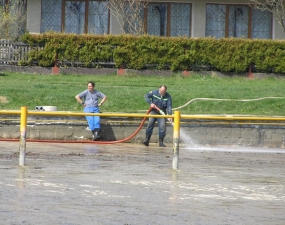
x=13, y=52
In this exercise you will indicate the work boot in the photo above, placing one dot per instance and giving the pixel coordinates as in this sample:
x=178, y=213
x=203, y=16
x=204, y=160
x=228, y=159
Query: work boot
x=147, y=138
x=96, y=132
x=161, y=142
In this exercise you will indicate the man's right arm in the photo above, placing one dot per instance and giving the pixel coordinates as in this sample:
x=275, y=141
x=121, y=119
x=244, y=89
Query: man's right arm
x=148, y=99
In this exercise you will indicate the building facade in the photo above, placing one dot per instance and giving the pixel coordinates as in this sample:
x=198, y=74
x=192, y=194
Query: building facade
x=196, y=18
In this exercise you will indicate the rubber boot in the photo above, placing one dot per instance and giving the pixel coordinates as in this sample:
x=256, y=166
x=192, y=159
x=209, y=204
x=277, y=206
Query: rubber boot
x=147, y=138
x=96, y=132
x=93, y=132
x=161, y=142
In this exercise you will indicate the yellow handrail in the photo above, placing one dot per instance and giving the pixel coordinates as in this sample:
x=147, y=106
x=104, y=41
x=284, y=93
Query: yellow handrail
x=176, y=131
x=139, y=115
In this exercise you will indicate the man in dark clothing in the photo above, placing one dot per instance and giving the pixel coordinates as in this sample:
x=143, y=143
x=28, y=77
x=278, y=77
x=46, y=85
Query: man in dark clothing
x=162, y=100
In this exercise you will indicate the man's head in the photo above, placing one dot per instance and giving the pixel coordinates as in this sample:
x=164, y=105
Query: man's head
x=162, y=89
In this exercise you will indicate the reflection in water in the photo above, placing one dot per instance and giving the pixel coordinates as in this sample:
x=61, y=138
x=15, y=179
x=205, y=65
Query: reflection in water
x=175, y=175
x=22, y=177
x=174, y=191
x=91, y=149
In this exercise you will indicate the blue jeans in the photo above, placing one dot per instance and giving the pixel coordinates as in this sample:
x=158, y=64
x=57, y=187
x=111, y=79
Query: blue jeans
x=161, y=125
x=93, y=121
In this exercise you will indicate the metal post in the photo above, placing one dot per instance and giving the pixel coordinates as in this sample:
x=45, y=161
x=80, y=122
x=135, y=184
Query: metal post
x=23, y=128
x=176, y=135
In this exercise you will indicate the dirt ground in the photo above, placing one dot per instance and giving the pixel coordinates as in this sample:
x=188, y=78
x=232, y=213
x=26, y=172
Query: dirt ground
x=133, y=184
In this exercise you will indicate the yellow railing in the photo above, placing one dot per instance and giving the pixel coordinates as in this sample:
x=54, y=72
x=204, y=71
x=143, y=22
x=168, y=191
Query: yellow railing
x=24, y=113
x=139, y=115
x=233, y=118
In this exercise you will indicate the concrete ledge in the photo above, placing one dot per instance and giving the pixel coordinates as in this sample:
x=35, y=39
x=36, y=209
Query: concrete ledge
x=57, y=70
x=143, y=72
x=113, y=129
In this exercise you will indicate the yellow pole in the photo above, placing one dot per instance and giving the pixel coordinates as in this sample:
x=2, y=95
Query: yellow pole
x=176, y=136
x=23, y=128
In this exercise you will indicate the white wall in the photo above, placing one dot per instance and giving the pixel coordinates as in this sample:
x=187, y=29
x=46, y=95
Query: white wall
x=198, y=19
x=278, y=31
x=115, y=27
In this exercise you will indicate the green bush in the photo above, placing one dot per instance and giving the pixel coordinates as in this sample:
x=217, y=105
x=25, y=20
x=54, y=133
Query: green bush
x=174, y=53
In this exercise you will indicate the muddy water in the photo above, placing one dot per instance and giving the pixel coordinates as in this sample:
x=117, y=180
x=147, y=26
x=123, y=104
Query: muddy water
x=133, y=184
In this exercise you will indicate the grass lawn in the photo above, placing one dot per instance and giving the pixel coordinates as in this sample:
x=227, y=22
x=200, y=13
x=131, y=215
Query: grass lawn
x=126, y=93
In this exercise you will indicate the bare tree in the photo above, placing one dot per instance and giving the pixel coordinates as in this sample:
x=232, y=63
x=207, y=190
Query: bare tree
x=276, y=7
x=130, y=15
x=12, y=19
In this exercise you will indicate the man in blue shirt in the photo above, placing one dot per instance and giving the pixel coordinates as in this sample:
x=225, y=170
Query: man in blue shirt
x=89, y=99
x=158, y=99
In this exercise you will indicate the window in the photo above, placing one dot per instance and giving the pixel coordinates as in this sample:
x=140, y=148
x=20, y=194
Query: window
x=159, y=19
x=77, y=17
x=2, y=3
x=51, y=15
x=180, y=20
x=237, y=21
x=98, y=17
x=133, y=17
x=168, y=19
x=74, y=17
x=261, y=24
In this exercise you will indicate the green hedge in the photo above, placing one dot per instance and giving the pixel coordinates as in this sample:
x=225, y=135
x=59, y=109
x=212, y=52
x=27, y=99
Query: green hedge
x=139, y=52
